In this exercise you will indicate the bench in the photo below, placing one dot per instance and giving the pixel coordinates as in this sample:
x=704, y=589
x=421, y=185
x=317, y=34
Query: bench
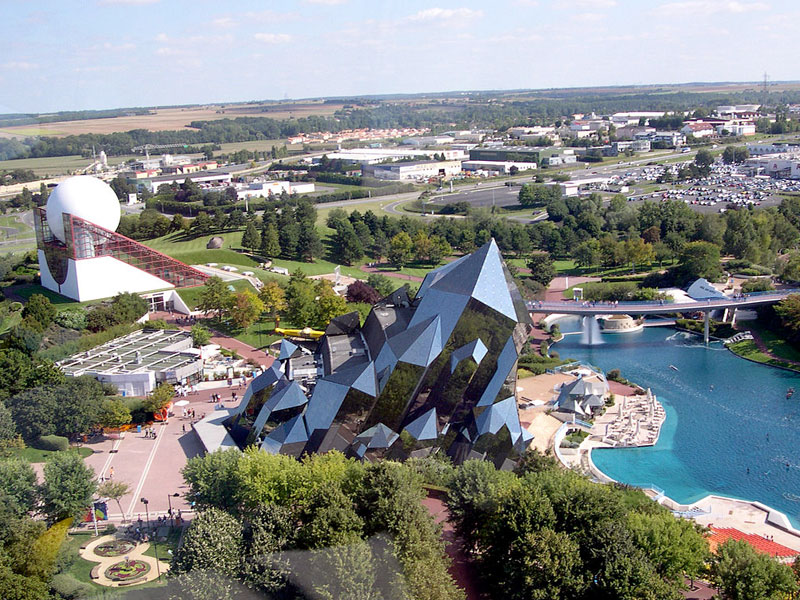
x=95, y=574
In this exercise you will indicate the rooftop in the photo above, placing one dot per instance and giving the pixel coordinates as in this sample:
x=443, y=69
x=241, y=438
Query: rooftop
x=140, y=351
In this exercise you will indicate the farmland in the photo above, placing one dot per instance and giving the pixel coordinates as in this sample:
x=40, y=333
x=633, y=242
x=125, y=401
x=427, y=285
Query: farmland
x=166, y=119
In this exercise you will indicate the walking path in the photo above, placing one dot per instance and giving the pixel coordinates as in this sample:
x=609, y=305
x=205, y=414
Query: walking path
x=104, y=562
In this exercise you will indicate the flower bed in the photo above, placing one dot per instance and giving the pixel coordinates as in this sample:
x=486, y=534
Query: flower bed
x=127, y=569
x=114, y=548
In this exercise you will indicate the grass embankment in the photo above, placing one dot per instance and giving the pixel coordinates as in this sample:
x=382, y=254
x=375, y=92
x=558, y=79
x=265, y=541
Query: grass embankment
x=749, y=350
x=780, y=352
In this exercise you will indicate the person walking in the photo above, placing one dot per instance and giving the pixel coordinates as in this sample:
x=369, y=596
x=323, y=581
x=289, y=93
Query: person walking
x=111, y=472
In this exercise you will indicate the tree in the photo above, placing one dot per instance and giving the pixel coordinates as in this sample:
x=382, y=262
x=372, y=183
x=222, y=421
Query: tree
x=270, y=244
x=345, y=244
x=700, y=259
x=113, y=414
x=8, y=431
x=128, y=307
x=114, y=490
x=542, y=268
x=212, y=543
x=17, y=486
x=251, y=238
x=587, y=254
x=200, y=336
x=246, y=309
x=39, y=312
x=213, y=479
x=215, y=297
x=703, y=161
x=741, y=573
x=358, y=291
x=329, y=304
x=636, y=250
x=159, y=398
x=381, y=283
x=273, y=296
x=67, y=488
x=301, y=305
x=401, y=250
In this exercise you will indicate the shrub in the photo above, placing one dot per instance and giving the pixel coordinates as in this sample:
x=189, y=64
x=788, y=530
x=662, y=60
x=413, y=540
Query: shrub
x=757, y=285
x=15, y=306
x=156, y=324
x=67, y=587
x=54, y=443
x=71, y=319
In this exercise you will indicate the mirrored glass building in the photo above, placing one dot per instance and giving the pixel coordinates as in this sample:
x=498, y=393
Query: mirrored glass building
x=436, y=372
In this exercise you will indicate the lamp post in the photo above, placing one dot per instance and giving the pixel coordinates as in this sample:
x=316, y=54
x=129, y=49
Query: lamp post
x=145, y=501
x=169, y=501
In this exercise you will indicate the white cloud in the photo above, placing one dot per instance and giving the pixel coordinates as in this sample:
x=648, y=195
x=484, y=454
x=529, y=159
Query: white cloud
x=325, y=2
x=162, y=37
x=442, y=14
x=586, y=4
x=20, y=65
x=528, y=3
x=589, y=17
x=130, y=2
x=709, y=7
x=273, y=38
x=223, y=22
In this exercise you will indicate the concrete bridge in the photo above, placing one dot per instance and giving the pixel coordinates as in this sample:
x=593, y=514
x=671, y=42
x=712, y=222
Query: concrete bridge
x=657, y=307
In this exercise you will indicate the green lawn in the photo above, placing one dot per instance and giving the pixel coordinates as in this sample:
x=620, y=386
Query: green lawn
x=748, y=349
x=177, y=243
x=776, y=345
x=192, y=295
x=14, y=221
x=60, y=301
x=34, y=455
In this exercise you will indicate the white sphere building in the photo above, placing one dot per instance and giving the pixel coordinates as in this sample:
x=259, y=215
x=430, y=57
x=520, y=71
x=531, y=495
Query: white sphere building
x=81, y=256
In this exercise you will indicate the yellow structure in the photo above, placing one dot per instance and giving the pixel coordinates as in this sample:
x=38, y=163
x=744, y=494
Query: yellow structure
x=306, y=332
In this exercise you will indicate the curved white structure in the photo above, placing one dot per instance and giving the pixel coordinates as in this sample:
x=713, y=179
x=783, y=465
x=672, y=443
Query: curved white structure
x=85, y=197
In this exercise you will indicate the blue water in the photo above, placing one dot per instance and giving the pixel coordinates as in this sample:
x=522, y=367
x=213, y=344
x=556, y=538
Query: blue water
x=711, y=435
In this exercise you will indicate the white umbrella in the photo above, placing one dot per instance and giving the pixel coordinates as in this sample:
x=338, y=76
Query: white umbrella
x=181, y=403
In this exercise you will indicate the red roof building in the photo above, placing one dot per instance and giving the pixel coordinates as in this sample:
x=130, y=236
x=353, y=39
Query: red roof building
x=720, y=535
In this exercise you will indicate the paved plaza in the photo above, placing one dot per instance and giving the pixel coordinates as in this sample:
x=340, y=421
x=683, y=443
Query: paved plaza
x=152, y=467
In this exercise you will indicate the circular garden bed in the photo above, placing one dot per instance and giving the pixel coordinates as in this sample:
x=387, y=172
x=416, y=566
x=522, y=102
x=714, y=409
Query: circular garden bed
x=114, y=548
x=127, y=569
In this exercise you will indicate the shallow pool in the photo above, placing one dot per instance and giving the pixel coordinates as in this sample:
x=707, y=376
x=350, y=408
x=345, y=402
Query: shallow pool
x=725, y=415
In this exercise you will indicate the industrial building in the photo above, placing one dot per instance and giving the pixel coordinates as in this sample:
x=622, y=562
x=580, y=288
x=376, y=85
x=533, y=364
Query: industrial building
x=496, y=166
x=424, y=374
x=421, y=170
x=276, y=188
x=138, y=362
x=371, y=156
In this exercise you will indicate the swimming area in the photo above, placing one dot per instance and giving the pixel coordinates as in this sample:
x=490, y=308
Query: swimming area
x=730, y=429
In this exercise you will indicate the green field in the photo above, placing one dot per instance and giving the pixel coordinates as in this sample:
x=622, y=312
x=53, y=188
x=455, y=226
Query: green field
x=192, y=295
x=748, y=349
x=34, y=455
x=15, y=222
x=775, y=344
x=57, y=165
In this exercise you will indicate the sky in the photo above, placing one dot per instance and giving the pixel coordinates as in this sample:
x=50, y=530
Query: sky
x=93, y=54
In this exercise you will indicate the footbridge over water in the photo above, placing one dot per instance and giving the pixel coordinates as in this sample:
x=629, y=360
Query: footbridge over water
x=660, y=307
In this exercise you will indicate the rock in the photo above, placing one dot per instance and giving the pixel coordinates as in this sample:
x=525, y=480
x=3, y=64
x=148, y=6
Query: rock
x=215, y=242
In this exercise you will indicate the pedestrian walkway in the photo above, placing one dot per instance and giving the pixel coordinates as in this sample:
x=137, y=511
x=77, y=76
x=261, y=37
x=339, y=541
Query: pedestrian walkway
x=136, y=554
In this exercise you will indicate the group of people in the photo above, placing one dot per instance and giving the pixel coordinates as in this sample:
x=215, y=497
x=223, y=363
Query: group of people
x=184, y=390
x=149, y=432
x=188, y=413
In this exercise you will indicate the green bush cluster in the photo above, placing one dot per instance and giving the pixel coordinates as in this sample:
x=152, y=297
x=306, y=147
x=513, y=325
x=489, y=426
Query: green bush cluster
x=53, y=443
